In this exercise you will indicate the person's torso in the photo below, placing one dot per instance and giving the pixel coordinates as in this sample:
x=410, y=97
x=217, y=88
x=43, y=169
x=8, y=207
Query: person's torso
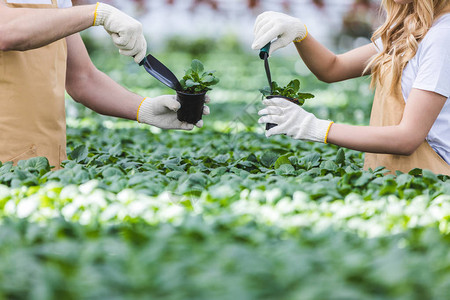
x=439, y=135
x=32, y=88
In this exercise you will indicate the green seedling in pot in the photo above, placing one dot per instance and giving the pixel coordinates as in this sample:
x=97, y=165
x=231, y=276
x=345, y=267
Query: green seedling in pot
x=195, y=83
x=290, y=92
x=196, y=80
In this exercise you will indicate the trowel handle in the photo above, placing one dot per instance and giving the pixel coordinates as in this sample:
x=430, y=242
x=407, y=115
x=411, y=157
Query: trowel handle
x=142, y=62
x=264, y=52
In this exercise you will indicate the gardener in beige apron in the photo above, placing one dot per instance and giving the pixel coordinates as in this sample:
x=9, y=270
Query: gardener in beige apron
x=32, y=82
x=32, y=87
x=387, y=110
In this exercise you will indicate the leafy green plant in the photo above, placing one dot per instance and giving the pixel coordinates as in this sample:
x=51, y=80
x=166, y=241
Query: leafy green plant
x=196, y=80
x=291, y=90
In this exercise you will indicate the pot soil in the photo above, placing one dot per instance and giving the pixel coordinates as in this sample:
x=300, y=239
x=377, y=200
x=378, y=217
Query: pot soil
x=191, y=109
x=295, y=101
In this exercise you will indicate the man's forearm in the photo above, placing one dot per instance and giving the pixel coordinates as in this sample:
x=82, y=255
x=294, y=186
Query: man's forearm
x=103, y=95
x=24, y=29
x=94, y=89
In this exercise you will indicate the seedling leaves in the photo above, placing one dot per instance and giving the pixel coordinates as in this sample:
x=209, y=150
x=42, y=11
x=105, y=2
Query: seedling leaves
x=79, y=153
x=282, y=160
x=340, y=156
x=197, y=66
x=268, y=159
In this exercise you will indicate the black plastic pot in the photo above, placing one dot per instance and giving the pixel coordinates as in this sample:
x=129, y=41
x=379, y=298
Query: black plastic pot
x=191, y=110
x=295, y=101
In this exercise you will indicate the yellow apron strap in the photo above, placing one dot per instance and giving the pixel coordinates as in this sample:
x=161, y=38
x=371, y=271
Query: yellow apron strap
x=53, y=4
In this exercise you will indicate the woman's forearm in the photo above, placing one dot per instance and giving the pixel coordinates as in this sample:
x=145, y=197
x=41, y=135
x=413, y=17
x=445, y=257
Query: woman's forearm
x=24, y=29
x=329, y=67
x=317, y=57
x=388, y=139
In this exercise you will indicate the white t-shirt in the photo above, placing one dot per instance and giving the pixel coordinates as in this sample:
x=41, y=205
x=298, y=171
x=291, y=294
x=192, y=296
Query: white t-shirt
x=61, y=3
x=429, y=70
x=64, y=3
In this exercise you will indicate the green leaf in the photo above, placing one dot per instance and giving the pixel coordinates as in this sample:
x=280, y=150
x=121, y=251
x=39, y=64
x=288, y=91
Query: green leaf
x=252, y=158
x=304, y=96
x=329, y=165
x=191, y=83
x=116, y=150
x=208, y=79
x=112, y=171
x=195, y=83
x=274, y=86
x=285, y=169
x=311, y=160
x=294, y=85
x=6, y=168
x=79, y=153
x=389, y=187
x=404, y=180
x=282, y=160
x=427, y=174
x=222, y=158
x=265, y=91
x=197, y=66
x=35, y=163
x=290, y=91
x=415, y=172
x=214, y=81
x=364, y=179
x=340, y=156
x=268, y=159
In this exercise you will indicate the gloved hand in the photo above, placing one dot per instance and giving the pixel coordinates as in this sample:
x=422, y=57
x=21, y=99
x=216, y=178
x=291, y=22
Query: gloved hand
x=293, y=121
x=270, y=25
x=161, y=112
x=125, y=31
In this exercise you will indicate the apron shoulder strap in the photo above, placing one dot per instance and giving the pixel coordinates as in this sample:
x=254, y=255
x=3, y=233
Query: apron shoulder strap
x=31, y=3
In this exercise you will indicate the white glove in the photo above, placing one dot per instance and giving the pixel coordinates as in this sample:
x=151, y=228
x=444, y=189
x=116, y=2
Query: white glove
x=270, y=25
x=293, y=121
x=161, y=112
x=125, y=31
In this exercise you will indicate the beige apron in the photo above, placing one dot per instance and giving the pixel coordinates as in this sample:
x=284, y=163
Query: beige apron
x=387, y=110
x=32, y=112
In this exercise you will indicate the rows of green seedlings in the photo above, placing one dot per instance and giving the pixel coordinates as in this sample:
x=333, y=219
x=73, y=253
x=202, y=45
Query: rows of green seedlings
x=170, y=215
x=192, y=163
x=276, y=181
x=221, y=212
x=221, y=258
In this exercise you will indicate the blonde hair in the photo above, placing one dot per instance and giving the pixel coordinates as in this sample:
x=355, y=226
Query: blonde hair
x=405, y=26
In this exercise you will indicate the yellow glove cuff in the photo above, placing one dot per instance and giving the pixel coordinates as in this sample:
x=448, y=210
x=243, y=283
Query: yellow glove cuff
x=328, y=131
x=95, y=13
x=137, y=113
x=301, y=39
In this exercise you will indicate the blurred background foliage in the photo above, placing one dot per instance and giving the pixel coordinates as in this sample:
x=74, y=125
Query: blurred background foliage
x=338, y=23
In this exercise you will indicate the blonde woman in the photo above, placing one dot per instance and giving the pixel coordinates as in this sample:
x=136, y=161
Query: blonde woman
x=409, y=61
